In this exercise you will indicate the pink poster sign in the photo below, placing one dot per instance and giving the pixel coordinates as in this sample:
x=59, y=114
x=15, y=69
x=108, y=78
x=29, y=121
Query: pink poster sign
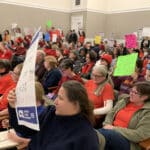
x=131, y=41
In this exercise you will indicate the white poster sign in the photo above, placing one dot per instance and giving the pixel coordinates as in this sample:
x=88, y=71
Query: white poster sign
x=77, y=23
x=54, y=38
x=25, y=91
x=146, y=31
x=14, y=25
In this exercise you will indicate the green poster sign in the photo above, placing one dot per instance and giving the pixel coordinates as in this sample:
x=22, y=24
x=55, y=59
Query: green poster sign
x=49, y=23
x=125, y=65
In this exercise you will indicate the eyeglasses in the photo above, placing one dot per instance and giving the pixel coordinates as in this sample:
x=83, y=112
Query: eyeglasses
x=134, y=92
x=96, y=76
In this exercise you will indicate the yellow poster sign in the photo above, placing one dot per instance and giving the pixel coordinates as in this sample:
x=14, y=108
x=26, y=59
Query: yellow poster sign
x=97, y=39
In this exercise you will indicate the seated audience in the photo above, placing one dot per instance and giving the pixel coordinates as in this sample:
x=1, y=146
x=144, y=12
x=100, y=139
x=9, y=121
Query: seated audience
x=125, y=83
x=73, y=55
x=65, y=126
x=3, y=99
x=128, y=122
x=8, y=80
x=17, y=137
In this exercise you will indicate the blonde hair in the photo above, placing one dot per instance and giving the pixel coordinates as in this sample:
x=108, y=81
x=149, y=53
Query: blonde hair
x=39, y=92
x=101, y=69
x=52, y=61
x=41, y=52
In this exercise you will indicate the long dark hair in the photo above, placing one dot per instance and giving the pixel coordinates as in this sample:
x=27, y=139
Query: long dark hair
x=77, y=93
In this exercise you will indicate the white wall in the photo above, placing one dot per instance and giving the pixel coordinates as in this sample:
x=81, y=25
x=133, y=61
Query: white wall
x=110, y=6
x=105, y=6
x=100, y=5
x=127, y=5
x=59, y=5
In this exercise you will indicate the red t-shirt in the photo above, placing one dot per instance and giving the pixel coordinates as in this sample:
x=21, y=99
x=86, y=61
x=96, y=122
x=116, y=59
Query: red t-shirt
x=87, y=68
x=124, y=116
x=106, y=93
x=81, y=39
x=5, y=82
x=3, y=100
x=65, y=78
x=6, y=55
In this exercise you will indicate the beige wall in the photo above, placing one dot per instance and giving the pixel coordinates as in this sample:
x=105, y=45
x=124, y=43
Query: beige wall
x=122, y=23
x=100, y=5
x=93, y=21
x=32, y=17
x=59, y=5
x=127, y=5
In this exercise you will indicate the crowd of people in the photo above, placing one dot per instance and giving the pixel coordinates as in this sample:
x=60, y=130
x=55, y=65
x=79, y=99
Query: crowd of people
x=77, y=77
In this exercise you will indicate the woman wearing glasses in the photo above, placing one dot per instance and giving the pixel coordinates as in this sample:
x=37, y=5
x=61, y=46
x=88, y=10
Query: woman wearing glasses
x=100, y=92
x=128, y=122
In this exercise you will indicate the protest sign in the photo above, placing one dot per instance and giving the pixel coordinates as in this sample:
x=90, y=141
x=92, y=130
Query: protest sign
x=146, y=31
x=131, y=41
x=25, y=91
x=125, y=65
x=97, y=39
x=49, y=23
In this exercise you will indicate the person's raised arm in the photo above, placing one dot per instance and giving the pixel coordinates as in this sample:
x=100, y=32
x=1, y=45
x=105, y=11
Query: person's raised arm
x=24, y=131
x=12, y=98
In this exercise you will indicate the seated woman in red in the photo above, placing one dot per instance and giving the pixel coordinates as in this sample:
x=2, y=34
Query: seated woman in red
x=67, y=74
x=5, y=67
x=100, y=92
x=87, y=67
x=6, y=76
x=3, y=99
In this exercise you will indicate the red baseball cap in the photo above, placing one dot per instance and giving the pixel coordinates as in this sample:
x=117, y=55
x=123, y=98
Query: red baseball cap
x=107, y=57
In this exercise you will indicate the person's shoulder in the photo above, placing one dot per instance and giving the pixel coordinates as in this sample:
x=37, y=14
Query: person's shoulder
x=108, y=85
x=7, y=77
x=50, y=109
x=90, y=81
x=56, y=70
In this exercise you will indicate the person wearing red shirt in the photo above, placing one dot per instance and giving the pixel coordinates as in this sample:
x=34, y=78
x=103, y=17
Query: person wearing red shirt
x=5, y=82
x=68, y=74
x=87, y=67
x=51, y=50
x=100, y=92
x=5, y=67
x=5, y=53
x=81, y=37
x=127, y=124
x=3, y=99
